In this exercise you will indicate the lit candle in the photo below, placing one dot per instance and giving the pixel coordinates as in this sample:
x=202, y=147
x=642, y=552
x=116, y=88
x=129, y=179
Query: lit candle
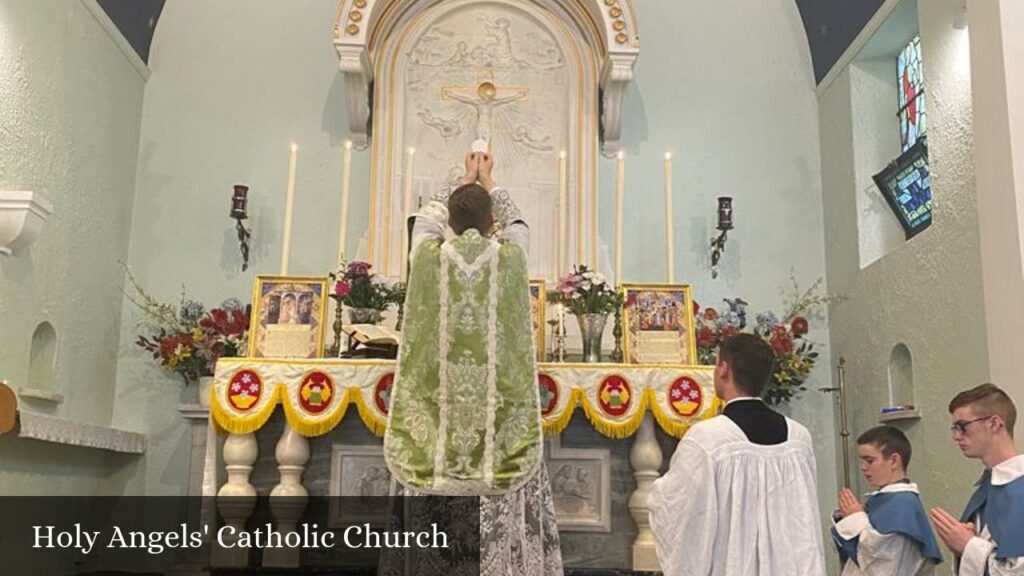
x=289, y=205
x=562, y=199
x=346, y=171
x=669, y=235
x=406, y=212
x=620, y=191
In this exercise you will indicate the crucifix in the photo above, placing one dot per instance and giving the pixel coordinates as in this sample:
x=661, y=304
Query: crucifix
x=484, y=99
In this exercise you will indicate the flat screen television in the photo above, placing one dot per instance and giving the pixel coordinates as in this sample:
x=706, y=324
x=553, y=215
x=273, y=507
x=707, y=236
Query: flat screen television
x=905, y=186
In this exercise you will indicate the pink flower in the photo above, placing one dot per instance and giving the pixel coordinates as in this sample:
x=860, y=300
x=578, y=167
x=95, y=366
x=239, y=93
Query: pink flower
x=342, y=288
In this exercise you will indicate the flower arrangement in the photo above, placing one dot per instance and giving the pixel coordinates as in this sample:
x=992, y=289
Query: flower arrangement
x=584, y=291
x=795, y=354
x=356, y=287
x=188, y=339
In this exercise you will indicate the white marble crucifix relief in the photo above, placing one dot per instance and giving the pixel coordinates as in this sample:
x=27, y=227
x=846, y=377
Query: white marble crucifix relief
x=484, y=100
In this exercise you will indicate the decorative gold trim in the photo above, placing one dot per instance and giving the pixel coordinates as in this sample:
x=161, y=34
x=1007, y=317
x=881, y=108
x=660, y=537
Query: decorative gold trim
x=655, y=287
x=615, y=12
x=621, y=38
x=352, y=29
x=355, y=15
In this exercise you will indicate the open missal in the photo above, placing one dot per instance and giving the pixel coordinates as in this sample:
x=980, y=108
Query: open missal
x=373, y=335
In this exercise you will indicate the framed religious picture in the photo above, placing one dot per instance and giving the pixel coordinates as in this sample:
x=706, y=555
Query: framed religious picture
x=658, y=324
x=580, y=487
x=538, y=304
x=288, y=317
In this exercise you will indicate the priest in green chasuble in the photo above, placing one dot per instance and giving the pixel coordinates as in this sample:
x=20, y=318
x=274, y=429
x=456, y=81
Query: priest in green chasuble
x=464, y=418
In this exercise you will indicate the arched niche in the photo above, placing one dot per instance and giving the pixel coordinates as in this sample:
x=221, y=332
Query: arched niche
x=538, y=77
x=901, y=376
x=42, y=357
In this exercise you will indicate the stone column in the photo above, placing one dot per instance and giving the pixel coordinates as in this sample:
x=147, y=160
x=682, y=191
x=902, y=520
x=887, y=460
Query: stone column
x=289, y=498
x=645, y=457
x=237, y=498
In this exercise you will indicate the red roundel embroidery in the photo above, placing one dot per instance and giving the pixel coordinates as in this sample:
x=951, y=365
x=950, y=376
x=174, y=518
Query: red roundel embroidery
x=382, y=392
x=685, y=396
x=244, y=390
x=548, y=394
x=316, y=392
x=615, y=395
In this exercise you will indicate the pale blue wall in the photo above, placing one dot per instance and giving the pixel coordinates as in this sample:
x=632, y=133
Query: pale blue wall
x=70, y=106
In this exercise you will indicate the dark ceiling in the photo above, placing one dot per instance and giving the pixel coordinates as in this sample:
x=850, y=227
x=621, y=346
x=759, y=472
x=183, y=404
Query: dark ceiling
x=831, y=25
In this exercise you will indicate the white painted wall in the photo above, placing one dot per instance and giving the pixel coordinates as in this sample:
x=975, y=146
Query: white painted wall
x=997, y=62
x=70, y=106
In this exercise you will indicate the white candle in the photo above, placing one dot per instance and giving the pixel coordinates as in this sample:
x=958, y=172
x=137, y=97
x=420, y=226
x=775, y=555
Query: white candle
x=669, y=235
x=346, y=180
x=560, y=312
x=620, y=192
x=289, y=205
x=406, y=212
x=579, y=224
x=562, y=208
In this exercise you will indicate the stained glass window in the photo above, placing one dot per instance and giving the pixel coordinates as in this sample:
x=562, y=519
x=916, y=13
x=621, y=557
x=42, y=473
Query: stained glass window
x=910, y=76
x=906, y=188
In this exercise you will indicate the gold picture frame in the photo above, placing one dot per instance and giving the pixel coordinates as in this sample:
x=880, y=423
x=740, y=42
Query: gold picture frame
x=538, y=312
x=288, y=314
x=657, y=322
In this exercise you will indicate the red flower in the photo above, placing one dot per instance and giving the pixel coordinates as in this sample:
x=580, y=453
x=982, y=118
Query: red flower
x=782, y=345
x=342, y=288
x=799, y=326
x=696, y=308
x=710, y=314
x=705, y=337
x=729, y=332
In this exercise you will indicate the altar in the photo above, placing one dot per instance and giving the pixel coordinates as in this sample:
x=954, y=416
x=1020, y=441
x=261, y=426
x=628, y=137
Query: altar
x=601, y=458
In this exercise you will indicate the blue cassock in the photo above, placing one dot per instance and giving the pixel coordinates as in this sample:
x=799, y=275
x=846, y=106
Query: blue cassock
x=999, y=506
x=894, y=512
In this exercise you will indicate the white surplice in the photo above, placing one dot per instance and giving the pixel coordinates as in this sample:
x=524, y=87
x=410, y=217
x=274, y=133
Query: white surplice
x=979, y=557
x=878, y=554
x=729, y=507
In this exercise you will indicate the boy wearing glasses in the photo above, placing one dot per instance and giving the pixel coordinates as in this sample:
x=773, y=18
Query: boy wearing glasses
x=988, y=539
x=889, y=534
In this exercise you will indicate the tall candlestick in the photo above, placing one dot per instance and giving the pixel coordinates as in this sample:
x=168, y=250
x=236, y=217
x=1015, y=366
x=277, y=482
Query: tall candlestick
x=579, y=224
x=562, y=208
x=289, y=205
x=669, y=235
x=346, y=180
x=620, y=192
x=406, y=212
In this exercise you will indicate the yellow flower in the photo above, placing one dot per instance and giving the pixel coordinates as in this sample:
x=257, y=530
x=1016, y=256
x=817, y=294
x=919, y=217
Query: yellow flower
x=197, y=335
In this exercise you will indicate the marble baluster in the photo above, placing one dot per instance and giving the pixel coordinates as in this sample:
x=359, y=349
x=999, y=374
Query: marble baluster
x=289, y=498
x=236, y=498
x=645, y=458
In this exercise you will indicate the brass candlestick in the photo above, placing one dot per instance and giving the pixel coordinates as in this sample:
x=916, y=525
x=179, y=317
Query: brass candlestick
x=617, y=333
x=335, y=351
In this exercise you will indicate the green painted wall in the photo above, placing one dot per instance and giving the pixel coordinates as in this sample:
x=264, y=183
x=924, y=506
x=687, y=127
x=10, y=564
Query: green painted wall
x=70, y=107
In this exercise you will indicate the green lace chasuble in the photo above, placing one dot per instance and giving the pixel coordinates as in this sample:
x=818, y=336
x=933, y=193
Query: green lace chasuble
x=465, y=408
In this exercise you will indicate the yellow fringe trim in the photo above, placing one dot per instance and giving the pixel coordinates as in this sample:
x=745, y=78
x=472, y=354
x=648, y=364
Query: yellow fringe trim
x=250, y=422
x=369, y=414
x=616, y=428
x=673, y=424
x=553, y=425
x=313, y=426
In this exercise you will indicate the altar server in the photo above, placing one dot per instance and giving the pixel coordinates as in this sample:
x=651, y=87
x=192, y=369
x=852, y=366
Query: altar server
x=988, y=539
x=889, y=534
x=740, y=495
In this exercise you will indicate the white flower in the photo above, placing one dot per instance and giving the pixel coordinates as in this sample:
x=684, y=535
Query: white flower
x=585, y=285
x=598, y=278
